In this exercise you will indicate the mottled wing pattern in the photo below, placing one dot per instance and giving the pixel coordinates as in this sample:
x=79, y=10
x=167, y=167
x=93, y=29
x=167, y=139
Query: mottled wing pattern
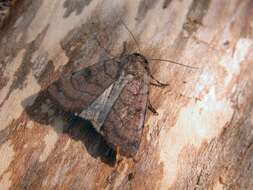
x=76, y=91
x=98, y=111
x=124, y=125
x=113, y=96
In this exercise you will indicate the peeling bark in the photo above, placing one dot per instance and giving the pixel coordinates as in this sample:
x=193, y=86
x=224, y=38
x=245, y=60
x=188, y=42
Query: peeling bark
x=202, y=137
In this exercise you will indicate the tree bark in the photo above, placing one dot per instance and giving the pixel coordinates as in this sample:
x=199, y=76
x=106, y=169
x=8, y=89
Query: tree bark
x=202, y=137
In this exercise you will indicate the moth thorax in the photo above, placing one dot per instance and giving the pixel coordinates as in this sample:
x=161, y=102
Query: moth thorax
x=135, y=68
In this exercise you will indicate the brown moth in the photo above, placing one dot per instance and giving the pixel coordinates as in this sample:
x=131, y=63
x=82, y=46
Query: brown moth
x=113, y=96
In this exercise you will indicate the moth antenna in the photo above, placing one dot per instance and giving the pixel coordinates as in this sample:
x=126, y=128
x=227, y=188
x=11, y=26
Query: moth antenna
x=174, y=62
x=131, y=34
x=164, y=60
x=158, y=83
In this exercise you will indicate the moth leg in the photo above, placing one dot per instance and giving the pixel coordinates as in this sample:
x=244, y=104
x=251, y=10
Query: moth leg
x=151, y=108
x=131, y=34
x=158, y=85
x=157, y=82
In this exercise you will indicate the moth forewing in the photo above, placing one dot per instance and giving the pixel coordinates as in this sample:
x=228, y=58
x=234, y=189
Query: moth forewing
x=76, y=91
x=97, y=108
x=98, y=111
x=124, y=125
x=112, y=95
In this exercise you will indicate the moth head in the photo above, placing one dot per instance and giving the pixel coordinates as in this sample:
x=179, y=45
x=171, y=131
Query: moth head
x=136, y=64
x=143, y=59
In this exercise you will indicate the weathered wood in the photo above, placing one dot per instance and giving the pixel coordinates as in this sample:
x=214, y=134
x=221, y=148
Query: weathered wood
x=202, y=137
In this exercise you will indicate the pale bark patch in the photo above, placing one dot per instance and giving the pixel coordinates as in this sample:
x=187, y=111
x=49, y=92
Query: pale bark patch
x=218, y=186
x=50, y=140
x=5, y=182
x=10, y=71
x=196, y=123
x=13, y=105
x=7, y=155
x=59, y=26
x=233, y=58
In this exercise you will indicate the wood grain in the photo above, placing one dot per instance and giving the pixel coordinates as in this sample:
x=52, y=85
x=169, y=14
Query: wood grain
x=202, y=137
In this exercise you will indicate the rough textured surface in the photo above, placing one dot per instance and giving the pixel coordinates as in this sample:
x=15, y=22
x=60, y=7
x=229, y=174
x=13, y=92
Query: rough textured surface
x=5, y=6
x=202, y=137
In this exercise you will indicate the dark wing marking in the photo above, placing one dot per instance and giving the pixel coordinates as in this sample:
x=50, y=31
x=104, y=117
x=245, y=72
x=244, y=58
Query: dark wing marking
x=76, y=91
x=123, y=127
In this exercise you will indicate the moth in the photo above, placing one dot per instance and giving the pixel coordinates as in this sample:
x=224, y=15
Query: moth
x=113, y=96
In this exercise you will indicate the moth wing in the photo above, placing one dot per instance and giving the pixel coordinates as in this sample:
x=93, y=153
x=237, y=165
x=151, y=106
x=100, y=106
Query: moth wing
x=76, y=91
x=123, y=127
x=100, y=108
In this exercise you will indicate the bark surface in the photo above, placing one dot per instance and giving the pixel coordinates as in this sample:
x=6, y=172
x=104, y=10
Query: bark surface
x=203, y=135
